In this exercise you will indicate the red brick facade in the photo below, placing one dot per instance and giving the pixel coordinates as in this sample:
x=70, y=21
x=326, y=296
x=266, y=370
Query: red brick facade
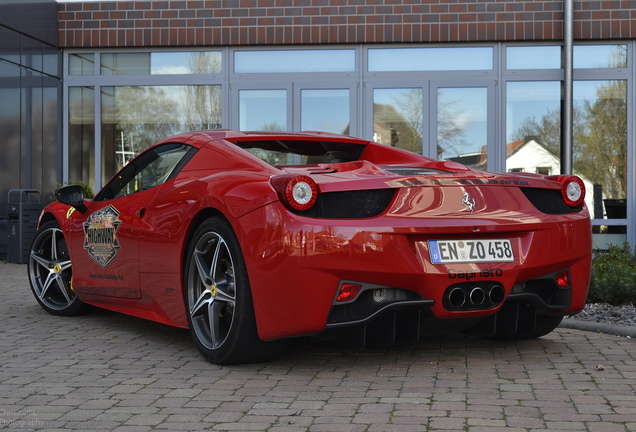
x=274, y=22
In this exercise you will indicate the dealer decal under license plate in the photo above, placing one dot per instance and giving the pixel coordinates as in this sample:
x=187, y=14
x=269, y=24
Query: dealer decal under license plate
x=470, y=251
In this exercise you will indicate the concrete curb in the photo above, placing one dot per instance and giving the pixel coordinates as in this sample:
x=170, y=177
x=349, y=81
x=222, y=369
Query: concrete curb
x=616, y=329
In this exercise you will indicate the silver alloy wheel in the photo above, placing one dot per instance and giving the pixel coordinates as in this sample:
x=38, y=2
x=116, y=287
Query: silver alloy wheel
x=50, y=270
x=211, y=290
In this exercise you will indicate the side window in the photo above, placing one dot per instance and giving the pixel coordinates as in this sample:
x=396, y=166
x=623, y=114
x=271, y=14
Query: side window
x=151, y=168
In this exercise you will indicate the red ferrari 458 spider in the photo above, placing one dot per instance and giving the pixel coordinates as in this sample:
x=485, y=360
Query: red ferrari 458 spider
x=249, y=239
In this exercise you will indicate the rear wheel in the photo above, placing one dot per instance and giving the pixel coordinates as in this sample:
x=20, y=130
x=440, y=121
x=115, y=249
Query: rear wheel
x=218, y=298
x=51, y=274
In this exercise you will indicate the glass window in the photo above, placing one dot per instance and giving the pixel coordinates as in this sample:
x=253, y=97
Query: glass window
x=293, y=61
x=10, y=130
x=32, y=53
x=292, y=152
x=161, y=63
x=81, y=64
x=10, y=42
x=533, y=126
x=151, y=169
x=600, y=56
x=430, y=59
x=462, y=129
x=134, y=118
x=397, y=118
x=544, y=170
x=50, y=130
x=81, y=135
x=549, y=57
x=325, y=110
x=600, y=146
x=35, y=124
x=263, y=110
x=51, y=60
x=533, y=57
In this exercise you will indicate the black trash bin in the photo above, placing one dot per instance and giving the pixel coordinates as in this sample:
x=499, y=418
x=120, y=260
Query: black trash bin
x=22, y=221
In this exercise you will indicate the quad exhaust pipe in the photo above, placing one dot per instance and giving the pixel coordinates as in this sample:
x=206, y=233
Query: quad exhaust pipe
x=473, y=296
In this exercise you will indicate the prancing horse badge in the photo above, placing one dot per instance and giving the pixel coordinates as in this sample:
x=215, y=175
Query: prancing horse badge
x=468, y=202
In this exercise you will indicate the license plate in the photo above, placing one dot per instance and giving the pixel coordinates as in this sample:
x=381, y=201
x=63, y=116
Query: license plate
x=470, y=251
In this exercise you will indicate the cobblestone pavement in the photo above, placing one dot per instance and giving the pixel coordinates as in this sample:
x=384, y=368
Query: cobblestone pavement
x=106, y=371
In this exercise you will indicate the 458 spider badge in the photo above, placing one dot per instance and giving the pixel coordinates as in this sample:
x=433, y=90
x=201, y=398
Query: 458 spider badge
x=100, y=235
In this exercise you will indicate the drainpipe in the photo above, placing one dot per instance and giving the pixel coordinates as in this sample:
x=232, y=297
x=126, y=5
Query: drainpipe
x=567, y=90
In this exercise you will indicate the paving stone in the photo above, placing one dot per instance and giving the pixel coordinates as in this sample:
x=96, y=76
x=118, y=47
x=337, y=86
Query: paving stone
x=106, y=371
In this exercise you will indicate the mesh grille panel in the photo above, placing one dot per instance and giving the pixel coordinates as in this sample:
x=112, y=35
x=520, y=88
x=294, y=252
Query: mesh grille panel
x=351, y=204
x=549, y=201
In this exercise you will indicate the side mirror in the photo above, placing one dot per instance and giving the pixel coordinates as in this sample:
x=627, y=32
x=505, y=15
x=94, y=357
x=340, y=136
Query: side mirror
x=72, y=195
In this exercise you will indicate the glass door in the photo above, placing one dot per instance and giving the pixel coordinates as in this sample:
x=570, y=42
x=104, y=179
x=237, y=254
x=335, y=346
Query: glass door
x=295, y=106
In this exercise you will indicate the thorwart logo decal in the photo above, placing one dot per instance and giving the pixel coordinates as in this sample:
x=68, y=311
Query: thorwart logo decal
x=100, y=235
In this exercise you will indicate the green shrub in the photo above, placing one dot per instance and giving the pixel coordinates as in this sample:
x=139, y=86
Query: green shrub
x=88, y=191
x=613, y=276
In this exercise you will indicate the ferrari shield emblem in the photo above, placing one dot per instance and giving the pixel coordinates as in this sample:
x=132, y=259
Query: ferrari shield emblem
x=100, y=235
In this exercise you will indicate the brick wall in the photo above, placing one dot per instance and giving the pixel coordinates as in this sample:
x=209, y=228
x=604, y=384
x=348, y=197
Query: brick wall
x=259, y=22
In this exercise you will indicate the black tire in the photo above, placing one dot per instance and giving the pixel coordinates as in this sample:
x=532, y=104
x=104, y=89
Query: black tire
x=218, y=298
x=51, y=273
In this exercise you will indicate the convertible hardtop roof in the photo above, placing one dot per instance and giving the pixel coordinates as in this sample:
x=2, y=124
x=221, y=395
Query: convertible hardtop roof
x=231, y=135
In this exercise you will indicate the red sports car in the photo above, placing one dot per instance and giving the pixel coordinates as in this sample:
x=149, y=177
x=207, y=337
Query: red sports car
x=248, y=239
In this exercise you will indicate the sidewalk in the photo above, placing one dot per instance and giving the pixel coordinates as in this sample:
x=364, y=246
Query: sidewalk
x=106, y=371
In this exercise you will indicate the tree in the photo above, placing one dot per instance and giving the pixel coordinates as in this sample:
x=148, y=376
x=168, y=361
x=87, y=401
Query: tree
x=202, y=105
x=410, y=132
x=547, y=130
x=450, y=134
x=602, y=156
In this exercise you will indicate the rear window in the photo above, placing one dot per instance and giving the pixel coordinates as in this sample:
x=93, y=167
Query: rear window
x=299, y=152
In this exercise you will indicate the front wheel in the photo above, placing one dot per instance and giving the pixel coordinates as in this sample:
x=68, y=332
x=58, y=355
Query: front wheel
x=51, y=274
x=218, y=298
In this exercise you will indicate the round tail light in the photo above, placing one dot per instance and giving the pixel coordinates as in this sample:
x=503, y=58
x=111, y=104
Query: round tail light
x=296, y=192
x=572, y=189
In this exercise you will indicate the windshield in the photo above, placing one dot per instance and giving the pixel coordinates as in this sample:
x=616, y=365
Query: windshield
x=301, y=152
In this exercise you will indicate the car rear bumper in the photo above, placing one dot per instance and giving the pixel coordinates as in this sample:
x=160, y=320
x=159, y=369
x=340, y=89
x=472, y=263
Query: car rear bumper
x=297, y=264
